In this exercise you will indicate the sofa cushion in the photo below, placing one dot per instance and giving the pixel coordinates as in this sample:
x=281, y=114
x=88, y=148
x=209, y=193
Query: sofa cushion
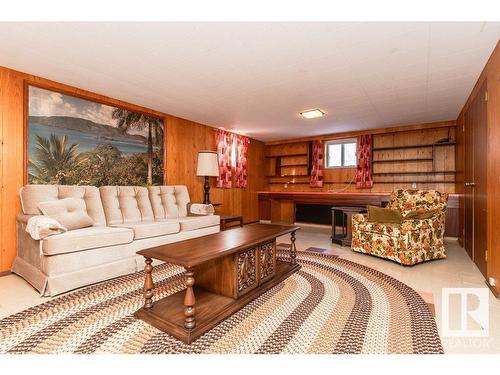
x=169, y=202
x=197, y=222
x=69, y=212
x=151, y=229
x=32, y=195
x=126, y=204
x=86, y=238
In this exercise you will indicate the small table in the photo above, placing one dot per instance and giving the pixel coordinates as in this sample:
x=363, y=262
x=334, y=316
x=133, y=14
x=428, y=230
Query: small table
x=226, y=219
x=231, y=268
x=344, y=238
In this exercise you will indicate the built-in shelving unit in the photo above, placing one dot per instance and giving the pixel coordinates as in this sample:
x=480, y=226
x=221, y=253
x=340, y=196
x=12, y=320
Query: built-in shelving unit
x=287, y=155
x=402, y=160
x=418, y=158
x=415, y=173
x=450, y=143
x=426, y=157
x=287, y=162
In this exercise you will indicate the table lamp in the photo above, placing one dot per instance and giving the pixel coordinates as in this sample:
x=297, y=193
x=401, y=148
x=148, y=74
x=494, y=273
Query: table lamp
x=208, y=166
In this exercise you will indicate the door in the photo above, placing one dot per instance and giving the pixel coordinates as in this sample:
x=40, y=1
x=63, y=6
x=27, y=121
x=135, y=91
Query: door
x=475, y=174
x=469, y=176
x=479, y=188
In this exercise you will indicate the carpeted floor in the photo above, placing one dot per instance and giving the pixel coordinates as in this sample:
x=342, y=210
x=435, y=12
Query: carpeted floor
x=330, y=306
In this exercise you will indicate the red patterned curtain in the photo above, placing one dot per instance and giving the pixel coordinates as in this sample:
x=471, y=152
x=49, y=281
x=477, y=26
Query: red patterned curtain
x=241, y=147
x=224, y=141
x=364, y=167
x=317, y=164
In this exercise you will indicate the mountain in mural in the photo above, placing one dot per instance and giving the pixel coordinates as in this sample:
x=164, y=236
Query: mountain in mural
x=85, y=126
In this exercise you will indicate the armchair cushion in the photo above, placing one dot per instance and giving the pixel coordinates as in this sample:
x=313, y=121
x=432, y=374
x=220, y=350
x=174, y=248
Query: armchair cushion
x=420, y=214
x=384, y=215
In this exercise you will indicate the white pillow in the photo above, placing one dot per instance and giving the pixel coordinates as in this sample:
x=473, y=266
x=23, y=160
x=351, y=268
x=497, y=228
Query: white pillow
x=71, y=213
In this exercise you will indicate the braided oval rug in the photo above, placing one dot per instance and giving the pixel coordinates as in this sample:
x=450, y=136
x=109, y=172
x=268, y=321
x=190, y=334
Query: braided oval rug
x=331, y=305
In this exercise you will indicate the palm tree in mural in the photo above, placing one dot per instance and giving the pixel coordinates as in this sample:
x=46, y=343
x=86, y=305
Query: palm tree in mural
x=133, y=120
x=54, y=157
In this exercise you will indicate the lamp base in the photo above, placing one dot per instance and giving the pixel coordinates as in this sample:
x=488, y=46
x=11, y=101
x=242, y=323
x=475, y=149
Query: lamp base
x=206, y=190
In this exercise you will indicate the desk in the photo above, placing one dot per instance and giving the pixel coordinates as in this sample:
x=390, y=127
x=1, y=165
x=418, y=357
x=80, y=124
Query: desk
x=279, y=207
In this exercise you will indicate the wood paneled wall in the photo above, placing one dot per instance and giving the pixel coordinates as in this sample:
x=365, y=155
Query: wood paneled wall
x=491, y=74
x=184, y=139
x=391, y=174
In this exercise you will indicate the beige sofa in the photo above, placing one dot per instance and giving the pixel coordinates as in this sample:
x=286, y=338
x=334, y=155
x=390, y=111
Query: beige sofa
x=126, y=220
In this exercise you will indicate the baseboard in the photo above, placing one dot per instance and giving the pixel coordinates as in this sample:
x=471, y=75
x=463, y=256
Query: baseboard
x=493, y=289
x=5, y=273
x=251, y=222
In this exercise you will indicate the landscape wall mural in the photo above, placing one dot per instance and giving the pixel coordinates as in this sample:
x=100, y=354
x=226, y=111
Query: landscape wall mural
x=73, y=141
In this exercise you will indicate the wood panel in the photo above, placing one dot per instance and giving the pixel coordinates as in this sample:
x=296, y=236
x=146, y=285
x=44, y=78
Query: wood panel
x=491, y=75
x=280, y=206
x=184, y=139
x=282, y=211
x=350, y=134
x=392, y=165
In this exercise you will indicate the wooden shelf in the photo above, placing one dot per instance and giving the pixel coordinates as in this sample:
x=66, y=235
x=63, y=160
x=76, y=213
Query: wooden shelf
x=418, y=173
x=402, y=160
x=417, y=182
x=414, y=146
x=293, y=175
x=289, y=183
x=285, y=156
x=293, y=165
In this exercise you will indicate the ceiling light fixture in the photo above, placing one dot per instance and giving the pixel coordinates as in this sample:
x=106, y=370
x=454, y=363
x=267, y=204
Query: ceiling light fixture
x=312, y=113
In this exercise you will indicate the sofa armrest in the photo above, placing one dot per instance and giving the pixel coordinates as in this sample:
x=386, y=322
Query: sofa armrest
x=28, y=249
x=200, y=209
x=23, y=218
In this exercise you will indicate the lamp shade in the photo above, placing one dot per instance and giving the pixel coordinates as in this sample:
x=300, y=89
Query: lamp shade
x=208, y=164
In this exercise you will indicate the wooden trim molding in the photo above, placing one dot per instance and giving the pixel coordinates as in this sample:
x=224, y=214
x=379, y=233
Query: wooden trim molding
x=398, y=128
x=85, y=95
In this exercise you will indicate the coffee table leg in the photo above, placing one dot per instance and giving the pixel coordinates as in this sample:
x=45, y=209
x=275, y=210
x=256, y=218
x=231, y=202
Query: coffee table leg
x=189, y=300
x=293, y=249
x=148, y=284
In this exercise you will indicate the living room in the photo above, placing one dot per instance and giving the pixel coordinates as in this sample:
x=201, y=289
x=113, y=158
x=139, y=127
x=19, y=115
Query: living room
x=250, y=187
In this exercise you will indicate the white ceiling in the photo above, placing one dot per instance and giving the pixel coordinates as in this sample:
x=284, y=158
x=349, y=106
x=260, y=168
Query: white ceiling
x=254, y=78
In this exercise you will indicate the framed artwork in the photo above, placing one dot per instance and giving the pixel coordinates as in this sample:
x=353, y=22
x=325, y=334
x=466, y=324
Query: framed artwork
x=75, y=141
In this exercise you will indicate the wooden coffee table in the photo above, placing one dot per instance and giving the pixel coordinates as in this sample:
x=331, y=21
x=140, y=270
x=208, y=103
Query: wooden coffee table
x=224, y=272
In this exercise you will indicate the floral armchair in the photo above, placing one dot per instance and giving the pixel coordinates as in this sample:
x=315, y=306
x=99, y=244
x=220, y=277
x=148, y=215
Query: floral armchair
x=414, y=240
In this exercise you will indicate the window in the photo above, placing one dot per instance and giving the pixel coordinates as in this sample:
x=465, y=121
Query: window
x=341, y=153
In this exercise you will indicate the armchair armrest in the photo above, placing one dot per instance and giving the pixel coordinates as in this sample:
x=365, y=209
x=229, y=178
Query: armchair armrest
x=434, y=226
x=359, y=218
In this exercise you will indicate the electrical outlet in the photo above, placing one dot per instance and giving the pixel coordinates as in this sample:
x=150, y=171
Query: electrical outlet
x=492, y=281
x=413, y=185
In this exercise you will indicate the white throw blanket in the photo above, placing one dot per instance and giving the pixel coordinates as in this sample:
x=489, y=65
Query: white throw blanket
x=41, y=226
x=201, y=209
